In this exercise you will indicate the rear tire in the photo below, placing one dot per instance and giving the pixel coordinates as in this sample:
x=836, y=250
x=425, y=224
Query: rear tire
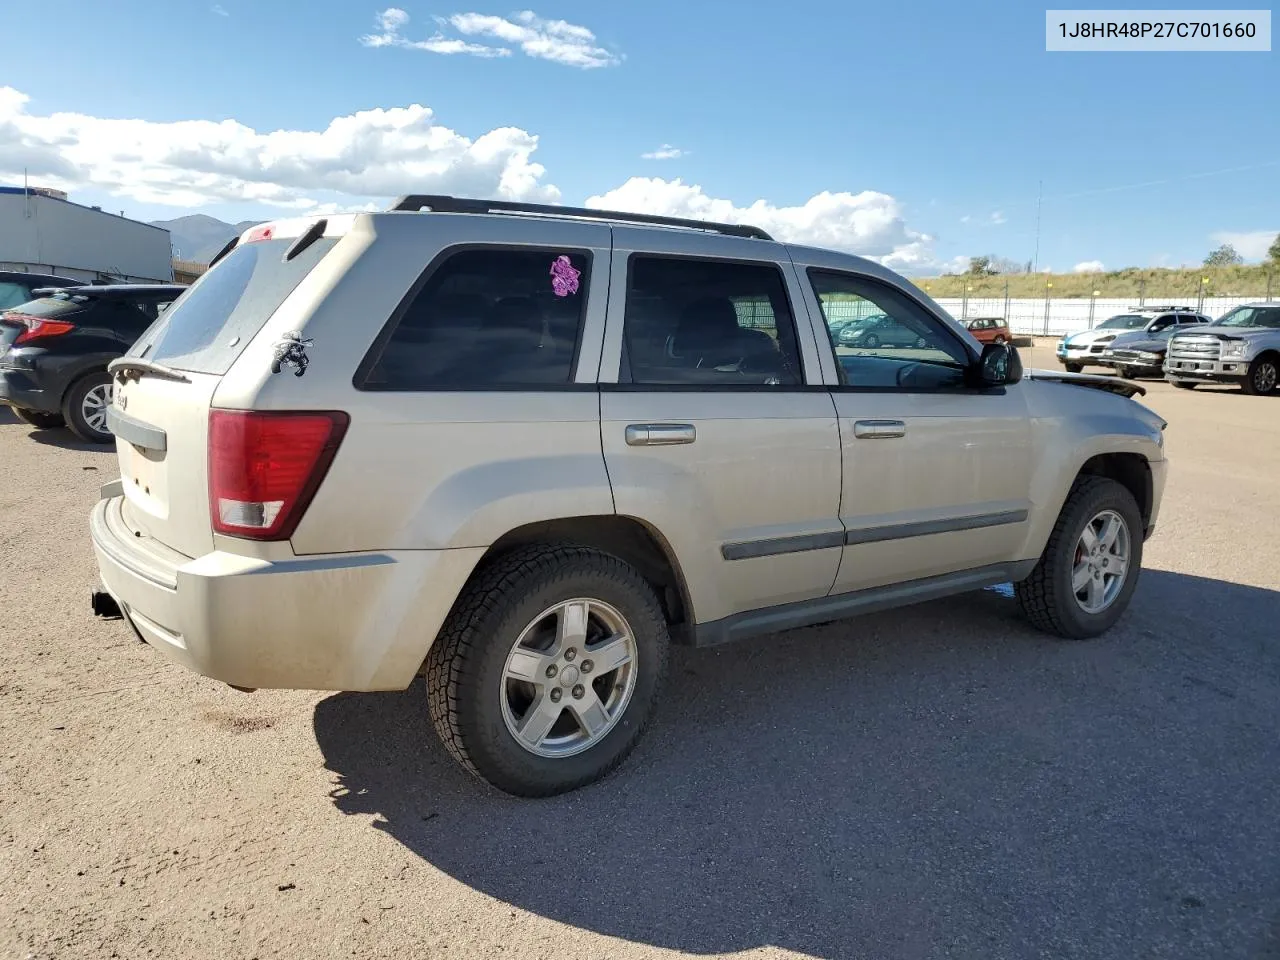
x=1074, y=367
x=85, y=407
x=1048, y=597
x=1264, y=376
x=38, y=418
x=515, y=611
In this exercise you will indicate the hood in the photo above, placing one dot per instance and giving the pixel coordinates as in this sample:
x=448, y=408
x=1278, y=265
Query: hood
x=1125, y=388
x=1232, y=333
x=1093, y=336
x=1141, y=341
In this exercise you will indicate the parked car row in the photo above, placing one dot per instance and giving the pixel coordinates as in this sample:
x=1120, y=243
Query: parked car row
x=1184, y=346
x=54, y=349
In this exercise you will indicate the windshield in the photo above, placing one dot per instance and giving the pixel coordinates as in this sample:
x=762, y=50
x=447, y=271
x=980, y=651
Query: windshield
x=1125, y=321
x=1251, y=317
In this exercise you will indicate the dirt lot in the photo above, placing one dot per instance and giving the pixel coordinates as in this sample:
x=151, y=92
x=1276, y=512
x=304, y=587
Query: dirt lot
x=940, y=781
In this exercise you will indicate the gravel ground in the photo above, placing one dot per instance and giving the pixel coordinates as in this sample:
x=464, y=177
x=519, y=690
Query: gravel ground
x=940, y=781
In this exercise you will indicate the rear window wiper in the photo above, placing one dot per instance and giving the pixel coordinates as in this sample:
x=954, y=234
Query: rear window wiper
x=136, y=366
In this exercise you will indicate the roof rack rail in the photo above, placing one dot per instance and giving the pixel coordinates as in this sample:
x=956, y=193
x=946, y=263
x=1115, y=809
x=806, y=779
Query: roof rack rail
x=446, y=204
x=1164, y=308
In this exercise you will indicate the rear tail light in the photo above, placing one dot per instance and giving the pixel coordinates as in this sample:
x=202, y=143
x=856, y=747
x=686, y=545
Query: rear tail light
x=37, y=328
x=264, y=468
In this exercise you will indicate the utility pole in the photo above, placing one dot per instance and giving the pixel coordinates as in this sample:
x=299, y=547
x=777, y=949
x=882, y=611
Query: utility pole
x=1039, y=195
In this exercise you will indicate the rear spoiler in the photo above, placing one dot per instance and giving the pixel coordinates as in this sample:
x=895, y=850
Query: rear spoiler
x=304, y=231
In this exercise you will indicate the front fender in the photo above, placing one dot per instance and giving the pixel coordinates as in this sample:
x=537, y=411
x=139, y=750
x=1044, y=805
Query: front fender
x=1069, y=427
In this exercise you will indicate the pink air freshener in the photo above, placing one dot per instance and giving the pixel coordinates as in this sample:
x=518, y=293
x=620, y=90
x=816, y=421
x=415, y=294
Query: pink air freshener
x=564, y=276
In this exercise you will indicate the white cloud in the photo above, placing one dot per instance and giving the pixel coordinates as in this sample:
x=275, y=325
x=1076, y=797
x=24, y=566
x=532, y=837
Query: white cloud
x=220, y=10
x=554, y=40
x=390, y=21
x=1252, y=245
x=664, y=152
x=357, y=161
x=189, y=163
x=1088, y=266
x=954, y=265
x=868, y=223
x=997, y=217
x=966, y=218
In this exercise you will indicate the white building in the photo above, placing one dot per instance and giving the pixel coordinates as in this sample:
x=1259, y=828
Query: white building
x=41, y=231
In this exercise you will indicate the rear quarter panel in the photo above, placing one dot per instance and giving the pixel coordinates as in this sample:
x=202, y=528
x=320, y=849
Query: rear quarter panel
x=430, y=470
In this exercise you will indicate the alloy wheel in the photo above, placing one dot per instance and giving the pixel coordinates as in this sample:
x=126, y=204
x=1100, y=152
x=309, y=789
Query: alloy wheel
x=569, y=678
x=1101, y=562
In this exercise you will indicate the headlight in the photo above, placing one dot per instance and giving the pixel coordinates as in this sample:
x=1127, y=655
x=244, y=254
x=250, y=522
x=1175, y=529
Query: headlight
x=1235, y=349
x=1147, y=355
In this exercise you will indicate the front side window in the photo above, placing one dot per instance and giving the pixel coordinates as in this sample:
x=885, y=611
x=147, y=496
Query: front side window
x=489, y=318
x=897, y=345
x=708, y=323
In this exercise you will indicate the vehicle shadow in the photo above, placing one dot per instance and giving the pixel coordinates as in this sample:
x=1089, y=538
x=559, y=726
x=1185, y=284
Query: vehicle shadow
x=62, y=437
x=933, y=781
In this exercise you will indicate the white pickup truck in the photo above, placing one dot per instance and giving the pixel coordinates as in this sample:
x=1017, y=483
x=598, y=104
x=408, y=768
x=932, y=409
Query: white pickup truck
x=1242, y=346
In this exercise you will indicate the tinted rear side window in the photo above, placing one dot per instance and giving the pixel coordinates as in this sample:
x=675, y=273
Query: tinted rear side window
x=208, y=327
x=487, y=319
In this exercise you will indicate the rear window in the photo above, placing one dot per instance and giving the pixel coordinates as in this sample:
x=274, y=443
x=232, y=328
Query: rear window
x=13, y=294
x=207, y=328
x=50, y=308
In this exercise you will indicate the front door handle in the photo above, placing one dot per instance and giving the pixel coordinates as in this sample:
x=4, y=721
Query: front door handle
x=879, y=429
x=659, y=434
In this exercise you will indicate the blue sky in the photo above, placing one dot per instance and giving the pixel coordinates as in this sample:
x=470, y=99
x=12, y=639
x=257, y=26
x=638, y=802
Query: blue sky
x=946, y=119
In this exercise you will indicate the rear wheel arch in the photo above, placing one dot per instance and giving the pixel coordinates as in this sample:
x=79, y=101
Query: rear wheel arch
x=629, y=539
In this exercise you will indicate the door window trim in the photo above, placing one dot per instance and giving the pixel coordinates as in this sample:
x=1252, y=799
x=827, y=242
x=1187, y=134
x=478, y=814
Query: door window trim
x=811, y=271
x=625, y=383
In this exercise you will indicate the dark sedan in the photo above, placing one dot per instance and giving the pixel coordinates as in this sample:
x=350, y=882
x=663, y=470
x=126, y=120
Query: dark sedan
x=54, y=351
x=1139, y=354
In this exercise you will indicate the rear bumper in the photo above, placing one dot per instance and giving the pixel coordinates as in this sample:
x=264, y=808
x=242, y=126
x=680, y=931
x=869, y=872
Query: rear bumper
x=336, y=622
x=25, y=389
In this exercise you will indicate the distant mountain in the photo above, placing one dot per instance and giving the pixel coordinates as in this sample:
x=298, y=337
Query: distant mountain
x=198, y=237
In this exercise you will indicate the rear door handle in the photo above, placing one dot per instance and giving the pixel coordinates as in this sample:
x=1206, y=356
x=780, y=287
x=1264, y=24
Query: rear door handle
x=659, y=434
x=879, y=429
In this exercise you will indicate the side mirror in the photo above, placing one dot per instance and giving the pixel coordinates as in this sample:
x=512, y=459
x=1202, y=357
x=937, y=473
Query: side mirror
x=998, y=366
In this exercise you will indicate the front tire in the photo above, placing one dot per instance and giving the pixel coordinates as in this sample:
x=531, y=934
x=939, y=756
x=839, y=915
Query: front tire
x=85, y=407
x=545, y=674
x=1264, y=375
x=1184, y=384
x=1074, y=367
x=38, y=419
x=1091, y=564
